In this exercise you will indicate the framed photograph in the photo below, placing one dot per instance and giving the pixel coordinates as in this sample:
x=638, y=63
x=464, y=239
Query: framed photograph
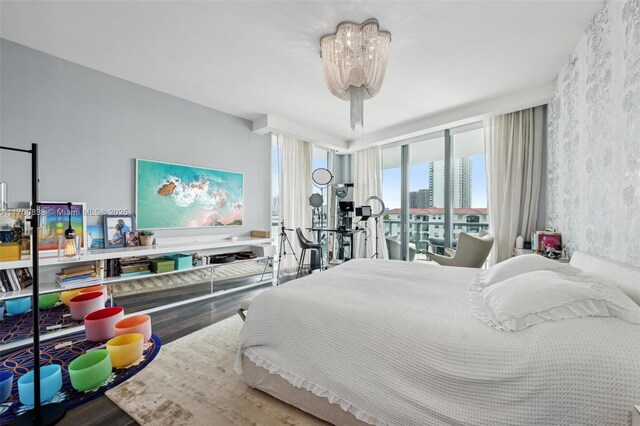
x=132, y=239
x=115, y=228
x=179, y=196
x=12, y=225
x=95, y=237
x=54, y=220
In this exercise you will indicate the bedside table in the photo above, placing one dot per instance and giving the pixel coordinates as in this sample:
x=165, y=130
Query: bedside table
x=520, y=252
x=635, y=416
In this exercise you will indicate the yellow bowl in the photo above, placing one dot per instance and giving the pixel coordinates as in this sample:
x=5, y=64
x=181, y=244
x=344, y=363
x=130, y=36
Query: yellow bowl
x=125, y=349
x=65, y=296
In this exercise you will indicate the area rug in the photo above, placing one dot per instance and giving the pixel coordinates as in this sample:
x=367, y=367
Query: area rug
x=192, y=382
x=221, y=273
x=20, y=362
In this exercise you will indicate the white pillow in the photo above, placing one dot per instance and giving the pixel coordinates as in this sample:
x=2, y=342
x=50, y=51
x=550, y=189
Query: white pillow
x=515, y=266
x=535, y=297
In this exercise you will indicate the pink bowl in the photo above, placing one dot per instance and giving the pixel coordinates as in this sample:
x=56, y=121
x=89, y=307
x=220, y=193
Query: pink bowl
x=135, y=324
x=99, y=287
x=99, y=325
x=83, y=304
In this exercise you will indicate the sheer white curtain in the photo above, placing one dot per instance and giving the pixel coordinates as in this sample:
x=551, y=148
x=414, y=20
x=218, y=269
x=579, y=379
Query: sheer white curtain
x=367, y=181
x=295, y=190
x=513, y=146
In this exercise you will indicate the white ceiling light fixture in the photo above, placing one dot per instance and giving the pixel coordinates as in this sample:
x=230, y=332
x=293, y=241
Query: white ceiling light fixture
x=355, y=60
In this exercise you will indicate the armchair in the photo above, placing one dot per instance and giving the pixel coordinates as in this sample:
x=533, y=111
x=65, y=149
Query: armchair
x=471, y=251
x=394, y=248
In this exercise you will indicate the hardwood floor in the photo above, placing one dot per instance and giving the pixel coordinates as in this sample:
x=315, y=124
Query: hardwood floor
x=169, y=325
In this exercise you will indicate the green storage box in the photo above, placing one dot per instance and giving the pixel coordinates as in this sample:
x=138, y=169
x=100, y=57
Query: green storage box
x=162, y=265
x=182, y=261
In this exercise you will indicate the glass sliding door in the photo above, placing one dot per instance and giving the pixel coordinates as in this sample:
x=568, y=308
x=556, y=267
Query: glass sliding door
x=426, y=196
x=392, y=197
x=434, y=188
x=469, y=181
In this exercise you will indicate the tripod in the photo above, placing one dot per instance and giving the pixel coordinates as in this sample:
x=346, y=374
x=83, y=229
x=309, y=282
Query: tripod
x=376, y=254
x=284, y=242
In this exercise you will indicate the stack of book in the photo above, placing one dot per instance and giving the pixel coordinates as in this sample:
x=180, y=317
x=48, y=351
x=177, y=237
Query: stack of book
x=131, y=266
x=78, y=276
x=15, y=279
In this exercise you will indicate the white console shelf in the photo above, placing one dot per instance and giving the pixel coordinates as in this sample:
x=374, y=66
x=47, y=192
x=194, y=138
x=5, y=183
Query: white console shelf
x=183, y=245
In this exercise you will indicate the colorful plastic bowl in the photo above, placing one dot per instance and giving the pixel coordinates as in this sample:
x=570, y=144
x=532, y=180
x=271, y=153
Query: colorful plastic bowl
x=100, y=325
x=135, y=324
x=83, y=304
x=102, y=288
x=125, y=349
x=6, y=381
x=90, y=370
x=66, y=296
x=50, y=384
x=1, y=311
x=48, y=300
x=18, y=306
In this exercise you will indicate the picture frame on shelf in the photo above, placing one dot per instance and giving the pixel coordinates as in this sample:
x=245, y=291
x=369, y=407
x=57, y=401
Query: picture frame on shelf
x=12, y=225
x=54, y=220
x=132, y=239
x=115, y=228
x=95, y=237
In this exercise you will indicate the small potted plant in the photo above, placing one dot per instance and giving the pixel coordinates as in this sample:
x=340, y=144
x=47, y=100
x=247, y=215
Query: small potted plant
x=146, y=237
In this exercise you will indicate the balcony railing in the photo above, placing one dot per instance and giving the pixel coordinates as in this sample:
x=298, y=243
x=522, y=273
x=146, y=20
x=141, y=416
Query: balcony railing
x=420, y=232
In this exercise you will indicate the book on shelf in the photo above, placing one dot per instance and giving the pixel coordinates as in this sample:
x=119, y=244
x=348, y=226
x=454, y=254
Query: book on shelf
x=4, y=281
x=78, y=271
x=133, y=274
x=24, y=276
x=15, y=279
x=15, y=283
x=78, y=283
x=125, y=266
x=77, y=278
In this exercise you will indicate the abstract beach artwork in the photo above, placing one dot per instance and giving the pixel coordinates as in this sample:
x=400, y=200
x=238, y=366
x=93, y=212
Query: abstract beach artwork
x=178, y=196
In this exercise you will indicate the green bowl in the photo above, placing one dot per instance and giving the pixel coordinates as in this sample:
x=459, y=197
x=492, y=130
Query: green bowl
x=48, y=300
x=89, y=370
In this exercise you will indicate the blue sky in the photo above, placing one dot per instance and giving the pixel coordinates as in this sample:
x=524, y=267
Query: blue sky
x=419, y=179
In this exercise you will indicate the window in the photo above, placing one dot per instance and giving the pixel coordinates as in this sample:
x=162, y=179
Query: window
x=320, y=160
x=426, y=190
x=391, y=189
x=469, y=180
x=275, y=186
x=426, y=181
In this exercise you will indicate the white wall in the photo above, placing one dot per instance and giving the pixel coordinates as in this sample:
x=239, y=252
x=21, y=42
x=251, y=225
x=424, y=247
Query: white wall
x=593, y=183
x=91, y=126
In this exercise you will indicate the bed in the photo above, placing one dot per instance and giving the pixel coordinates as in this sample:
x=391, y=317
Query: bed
x=393, y=343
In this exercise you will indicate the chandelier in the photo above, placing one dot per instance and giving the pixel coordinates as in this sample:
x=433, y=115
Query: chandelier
x=355, y=60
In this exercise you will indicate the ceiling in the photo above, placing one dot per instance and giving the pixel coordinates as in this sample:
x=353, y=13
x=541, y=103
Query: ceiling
x=252, y=59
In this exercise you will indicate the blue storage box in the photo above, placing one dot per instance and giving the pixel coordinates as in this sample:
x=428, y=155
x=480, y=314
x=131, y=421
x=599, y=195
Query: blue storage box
x=183, y=261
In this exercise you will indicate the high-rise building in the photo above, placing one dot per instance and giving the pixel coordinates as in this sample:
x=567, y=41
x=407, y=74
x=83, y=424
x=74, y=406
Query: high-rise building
x=419, y=199
x=461, y=173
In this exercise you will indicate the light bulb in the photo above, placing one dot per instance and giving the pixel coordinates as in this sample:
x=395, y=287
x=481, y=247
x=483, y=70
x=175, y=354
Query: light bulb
x=70, y=247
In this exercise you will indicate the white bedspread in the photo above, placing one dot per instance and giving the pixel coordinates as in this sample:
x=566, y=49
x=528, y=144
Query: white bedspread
x=395, y=343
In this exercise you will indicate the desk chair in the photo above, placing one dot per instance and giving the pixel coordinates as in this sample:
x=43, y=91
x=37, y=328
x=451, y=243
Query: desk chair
x=307, y=244
x=471, y=251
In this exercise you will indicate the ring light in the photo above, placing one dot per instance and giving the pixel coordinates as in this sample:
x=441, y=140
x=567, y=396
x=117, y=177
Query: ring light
x=321, y=177
x=379, y=200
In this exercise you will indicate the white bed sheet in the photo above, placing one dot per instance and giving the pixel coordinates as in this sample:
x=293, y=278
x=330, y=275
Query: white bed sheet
x=395, y=343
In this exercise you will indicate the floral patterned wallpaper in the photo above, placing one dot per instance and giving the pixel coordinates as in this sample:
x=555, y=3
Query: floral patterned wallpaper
x=593, y=177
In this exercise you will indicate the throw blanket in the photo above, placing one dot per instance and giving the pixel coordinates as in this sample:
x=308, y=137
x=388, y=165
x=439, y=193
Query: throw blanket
x=395, y=343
